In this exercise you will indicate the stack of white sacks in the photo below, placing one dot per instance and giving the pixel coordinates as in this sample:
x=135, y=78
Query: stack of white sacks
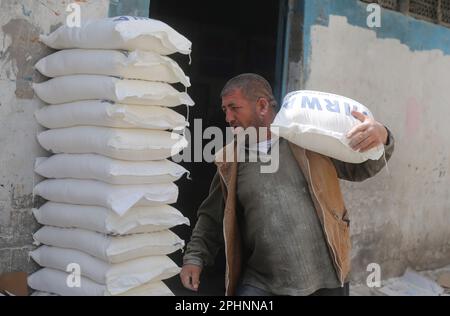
x=109, y=183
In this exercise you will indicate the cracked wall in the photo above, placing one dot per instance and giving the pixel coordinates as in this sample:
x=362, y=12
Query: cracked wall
x=21, y=23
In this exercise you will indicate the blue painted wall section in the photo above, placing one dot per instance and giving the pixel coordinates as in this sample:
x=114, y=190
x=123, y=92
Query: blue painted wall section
x=416, y=34
x=129, y=7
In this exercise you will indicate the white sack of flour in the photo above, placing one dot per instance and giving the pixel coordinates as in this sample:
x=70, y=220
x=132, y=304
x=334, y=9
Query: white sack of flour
x=143, y=219
x=319, y=122
x=142, y=65
x=112, y=171
x=75, y=88
x=109, y=114
x=55, y=282
x=118, y=278
x=123, y=144
x=119, y=198
x=122, y=32
x=111, y=249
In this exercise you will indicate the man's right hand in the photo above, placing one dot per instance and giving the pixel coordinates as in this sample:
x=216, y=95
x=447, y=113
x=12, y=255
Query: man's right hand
x=190, y=276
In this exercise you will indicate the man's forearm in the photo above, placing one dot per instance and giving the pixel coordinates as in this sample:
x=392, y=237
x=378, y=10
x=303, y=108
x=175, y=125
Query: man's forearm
x=207, y=236
x=368, y=169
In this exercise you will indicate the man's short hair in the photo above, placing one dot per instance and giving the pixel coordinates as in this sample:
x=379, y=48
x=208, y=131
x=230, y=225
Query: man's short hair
x=252, y=86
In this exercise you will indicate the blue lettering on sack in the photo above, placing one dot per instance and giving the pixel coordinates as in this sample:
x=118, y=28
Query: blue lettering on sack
x=333, y=106
x=128, y=18
x=348, y=110
x=121, y=18
x=314, y=103
x=311, y=103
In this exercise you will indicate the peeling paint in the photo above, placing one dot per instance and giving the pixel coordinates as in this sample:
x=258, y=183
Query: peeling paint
x=20, y=200
x=52, y=10
x=418, y=35
x=20, y=49
x=25, y=11
x=25, y=44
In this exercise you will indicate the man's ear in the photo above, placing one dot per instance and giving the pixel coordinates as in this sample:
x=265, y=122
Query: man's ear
x=263, y=106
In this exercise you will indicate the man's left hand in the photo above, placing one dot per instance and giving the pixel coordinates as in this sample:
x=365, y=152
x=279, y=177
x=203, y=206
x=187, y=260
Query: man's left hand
x=367, y=135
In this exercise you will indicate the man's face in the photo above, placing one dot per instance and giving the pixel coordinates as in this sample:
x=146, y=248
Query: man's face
x=240, y=112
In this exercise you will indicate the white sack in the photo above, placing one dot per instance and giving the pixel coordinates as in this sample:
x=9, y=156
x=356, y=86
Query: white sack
x=129, y=65
x=99, y=219
x=119, y=198
x=124, y=144
x=124, y=32
x=74, y=88
x=149, y=289
x=118, y=278
x=319, y=122
x=111, y=249
x=112, y=171
x=109, y=114
x=55, y=282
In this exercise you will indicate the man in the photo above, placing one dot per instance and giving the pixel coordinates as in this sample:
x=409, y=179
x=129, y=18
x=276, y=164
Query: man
x=285, y=233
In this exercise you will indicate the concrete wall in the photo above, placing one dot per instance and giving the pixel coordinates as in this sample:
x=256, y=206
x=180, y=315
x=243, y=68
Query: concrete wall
x=129, y=7
x=401, y=72
x=21, y=22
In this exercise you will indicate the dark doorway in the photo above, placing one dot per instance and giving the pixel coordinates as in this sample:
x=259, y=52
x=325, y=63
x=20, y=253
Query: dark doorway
x=229, y=38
